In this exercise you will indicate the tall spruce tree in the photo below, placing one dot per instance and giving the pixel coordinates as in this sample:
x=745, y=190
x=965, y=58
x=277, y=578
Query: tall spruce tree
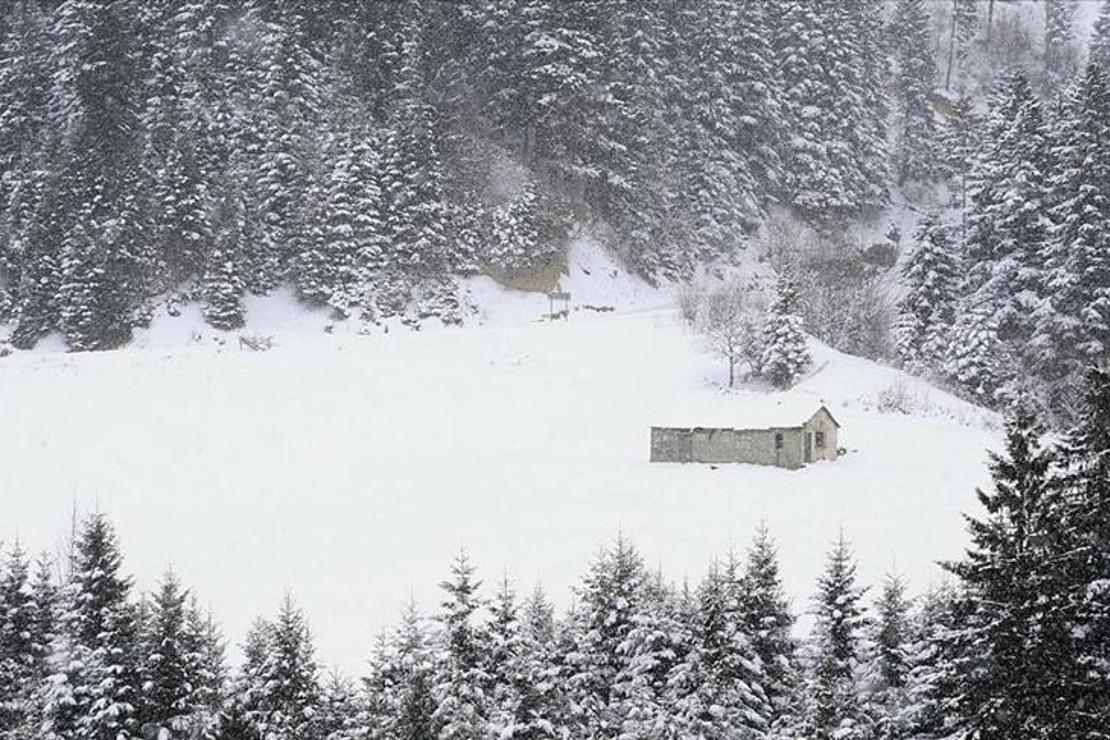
x=462, y=704
x=915, y=155
x=785, y=355
x=94, y=691
x=927, y=310
x=1014, y=649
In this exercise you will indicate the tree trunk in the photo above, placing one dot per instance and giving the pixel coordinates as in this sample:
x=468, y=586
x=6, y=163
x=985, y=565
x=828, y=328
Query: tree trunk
x=951, y=47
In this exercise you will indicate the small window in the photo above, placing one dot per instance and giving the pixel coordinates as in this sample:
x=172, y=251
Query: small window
x=778, y=440
x=819, y=440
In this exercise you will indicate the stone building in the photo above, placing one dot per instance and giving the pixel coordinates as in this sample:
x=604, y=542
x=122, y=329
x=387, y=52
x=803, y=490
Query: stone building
x=816, y=438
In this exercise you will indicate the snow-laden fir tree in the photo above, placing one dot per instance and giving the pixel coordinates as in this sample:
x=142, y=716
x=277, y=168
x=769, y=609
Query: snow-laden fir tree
x=204, y=662
x=515, y=237
x=723, y=677
x=886, y=675
x=222, y=282
x=414, y=680
x=833, y=707
x=286, y=688
x=610, y=598
x=1099, y=50
x=927, y=309
x=1085, y=461
x=1007, y=221
x=975, y=360
x=462, y=704
x=94, y=689
x=929, y=674
x=959, y=142
x=19, y=641
x=915, y=155
x=640, y=704
x=166, y=667
x=1074, y=324
x=767, y=620
x=1014, y=647
x=1060, y=53
x=526, y=694
x=785, y=355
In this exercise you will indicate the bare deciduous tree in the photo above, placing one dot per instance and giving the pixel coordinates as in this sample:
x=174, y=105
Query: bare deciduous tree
x=729, y=318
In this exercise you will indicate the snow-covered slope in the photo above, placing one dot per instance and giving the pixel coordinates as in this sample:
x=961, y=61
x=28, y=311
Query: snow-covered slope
x=349, y=469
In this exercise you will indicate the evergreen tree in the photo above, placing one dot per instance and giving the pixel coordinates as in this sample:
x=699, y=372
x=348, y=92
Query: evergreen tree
x=839, y=620
x=462, y=705
x=889, y=665
x=1014, y=649
x=168, y=681
x=915, y=155
x=18, y=643
x=94, y=690
x=927, y=310
x=1007, y=223
x=286, y=686
x=785, y=356
x=1099, y=50
x=611, y=597
x=766, y=618
x=1085, y=462
x=1072, y=326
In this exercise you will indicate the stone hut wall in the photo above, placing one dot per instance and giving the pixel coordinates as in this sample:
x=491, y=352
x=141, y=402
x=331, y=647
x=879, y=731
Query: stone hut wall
x=823, y=423
x=722, y=445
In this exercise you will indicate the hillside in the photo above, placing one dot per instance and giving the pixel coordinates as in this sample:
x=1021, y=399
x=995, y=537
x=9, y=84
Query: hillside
x=371, y=459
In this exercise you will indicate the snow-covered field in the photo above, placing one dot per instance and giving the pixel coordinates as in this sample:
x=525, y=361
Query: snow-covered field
x=349, y=469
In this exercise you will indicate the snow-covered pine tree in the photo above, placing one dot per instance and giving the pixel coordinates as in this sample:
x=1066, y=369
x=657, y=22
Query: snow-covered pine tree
x=611, y=595
x=167, y=678
x=975, y=360
x=526, y=695
x=721, y=681
x=95, y=96
x=641, y=704
x=339, y=709
x=1015, y=650
x=291, y=83
x=462, y=704
x=515, y=241
x=1085, y=461
x=927, y=309
x=414, y=680
x=813, y=183
x=241, y=715
x=222, y=282
x=93, y=691
x=785, y=355
x=888, y=666
x=1074, y=324
x=286, y=686
x=915, y=155
x=1099, y=49
x=930, y=679
x=1007, y=221
x=839, y=620
x=1060, y=53
x=959, y=142
x=18, y=659
x=24, y=137
x=766, y=619
x=204, y=660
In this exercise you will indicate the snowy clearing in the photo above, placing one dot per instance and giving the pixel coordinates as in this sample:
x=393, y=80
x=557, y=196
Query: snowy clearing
x=349, y=469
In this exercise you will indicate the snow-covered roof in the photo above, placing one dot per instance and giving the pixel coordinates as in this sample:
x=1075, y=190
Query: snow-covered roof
x=776, y=413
